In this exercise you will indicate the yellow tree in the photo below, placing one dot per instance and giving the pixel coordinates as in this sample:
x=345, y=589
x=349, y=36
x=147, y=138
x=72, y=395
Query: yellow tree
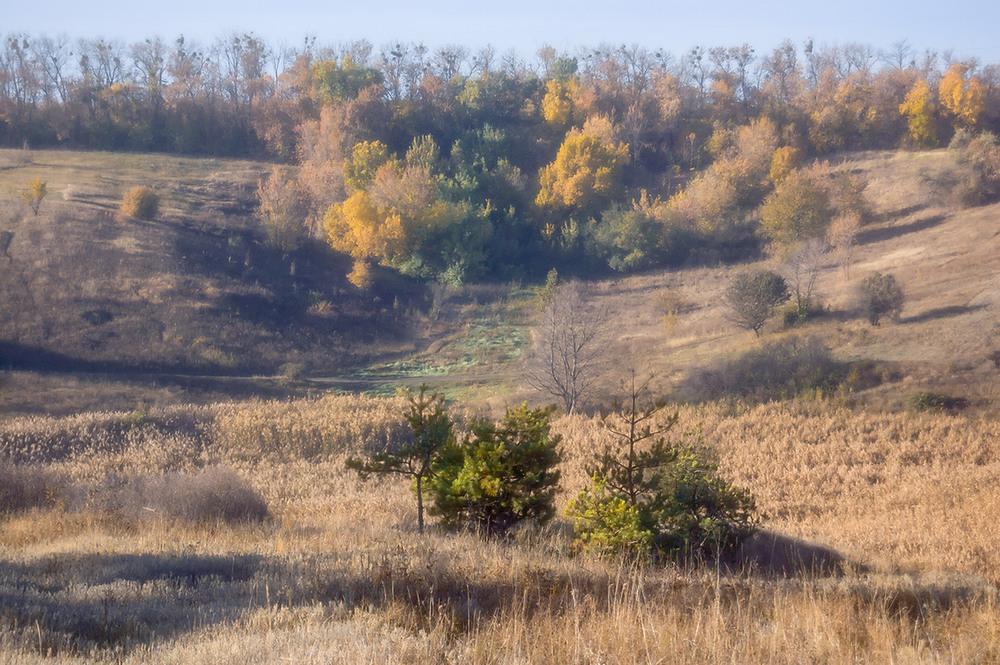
x=358, y=227
x=964, y=99
x=798, y=209
x=392, y=220
x=783, y=161
x=918, y=107
x=566, y=102
x=587, y=171
x=34, y=194
x=365, y=160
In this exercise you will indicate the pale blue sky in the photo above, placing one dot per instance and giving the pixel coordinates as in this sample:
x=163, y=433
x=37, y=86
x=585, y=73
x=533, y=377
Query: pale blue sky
x=968, y=28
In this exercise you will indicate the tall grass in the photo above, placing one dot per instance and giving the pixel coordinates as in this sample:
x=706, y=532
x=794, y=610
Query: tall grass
x=339, y=573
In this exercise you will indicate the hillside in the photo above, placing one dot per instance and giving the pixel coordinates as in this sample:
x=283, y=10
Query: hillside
x=195, y=292
x=156, y=530
x=945, y=257
x=157, y=309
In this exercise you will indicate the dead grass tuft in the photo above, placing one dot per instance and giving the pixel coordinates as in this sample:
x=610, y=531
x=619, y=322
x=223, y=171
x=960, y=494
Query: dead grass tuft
x=212, y=495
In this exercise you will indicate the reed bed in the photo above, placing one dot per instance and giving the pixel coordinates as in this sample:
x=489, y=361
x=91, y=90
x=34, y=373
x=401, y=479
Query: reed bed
x=902, y=504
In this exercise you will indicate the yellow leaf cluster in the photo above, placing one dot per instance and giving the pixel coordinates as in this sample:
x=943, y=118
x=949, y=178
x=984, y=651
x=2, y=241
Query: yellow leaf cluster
x=566, y=102
x=964, y=99
x=388, y=221
x=587, y=169
x=783, y=161
x=366, y=159
x=357, y=226
x=918, y=107
x=33, y=195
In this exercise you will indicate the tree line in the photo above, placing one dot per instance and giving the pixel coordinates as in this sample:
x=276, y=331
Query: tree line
x=459, y=165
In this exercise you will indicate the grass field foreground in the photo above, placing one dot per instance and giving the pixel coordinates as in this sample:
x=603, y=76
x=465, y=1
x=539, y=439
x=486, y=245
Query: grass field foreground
x=879, y=547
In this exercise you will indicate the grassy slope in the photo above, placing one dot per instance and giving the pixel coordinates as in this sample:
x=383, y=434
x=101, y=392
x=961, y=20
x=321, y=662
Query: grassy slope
x=196, y=292
x=340, y=575
x=946, y=259
x=193, y=292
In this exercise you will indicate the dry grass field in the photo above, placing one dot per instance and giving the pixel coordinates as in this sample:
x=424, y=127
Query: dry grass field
x=133, y=533
x=879, y=546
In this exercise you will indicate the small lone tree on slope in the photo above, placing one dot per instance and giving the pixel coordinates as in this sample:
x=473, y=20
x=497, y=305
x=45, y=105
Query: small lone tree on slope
x=432, y=432
x=753, y=295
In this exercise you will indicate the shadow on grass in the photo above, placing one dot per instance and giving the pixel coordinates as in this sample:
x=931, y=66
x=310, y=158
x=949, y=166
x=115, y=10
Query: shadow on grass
x=77, y=603
x=890, y=232
x=901, y=212
x=768, y=554
x=942, y=313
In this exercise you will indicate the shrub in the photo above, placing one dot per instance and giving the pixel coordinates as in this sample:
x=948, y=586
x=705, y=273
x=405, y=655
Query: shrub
x=140, y=202
x=804, y=310
x=23, y=487
x=928, y=400
x=293, y=371
x=697, y=511
x=979, y=156
x=784, y=161
x=606, y=525
x=34, y=194
x=880, y=295
x=502, y=475
x=215, y=494
x=753, y=295
x=650, y=496
x=779, y=370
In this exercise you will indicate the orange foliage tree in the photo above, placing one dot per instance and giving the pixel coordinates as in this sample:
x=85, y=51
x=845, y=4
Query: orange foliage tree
x=587, y=171
x=964, y=98
x=918, y=108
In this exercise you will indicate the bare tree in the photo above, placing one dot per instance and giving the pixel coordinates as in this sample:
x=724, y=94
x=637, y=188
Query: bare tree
x=801, y=270
x=843, y=236
x=569, y=354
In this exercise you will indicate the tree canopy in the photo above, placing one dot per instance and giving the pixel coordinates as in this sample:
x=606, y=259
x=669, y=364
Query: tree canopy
x=453, y=164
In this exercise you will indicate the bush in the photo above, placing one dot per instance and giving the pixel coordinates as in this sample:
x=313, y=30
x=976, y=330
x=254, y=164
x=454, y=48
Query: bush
x=697, y=511
x=753, y=295
x=34, y=194
x=807, y=309
x=627, y=239
x=880, y=295
x=215, y=494
x=979, y=156
x=141, y=202
x=648, y=496
x=502, y=475
x=928, y=400
x=23, y=487
x=779, y=370
x=606, y=525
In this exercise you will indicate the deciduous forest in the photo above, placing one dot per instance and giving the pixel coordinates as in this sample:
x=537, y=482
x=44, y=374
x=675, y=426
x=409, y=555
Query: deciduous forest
x=459, y=166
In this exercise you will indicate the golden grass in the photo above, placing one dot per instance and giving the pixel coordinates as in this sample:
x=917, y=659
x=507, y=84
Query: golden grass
x=339, y=574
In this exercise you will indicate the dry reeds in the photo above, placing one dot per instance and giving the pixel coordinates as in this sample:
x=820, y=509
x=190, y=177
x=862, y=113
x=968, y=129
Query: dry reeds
x=879, y=547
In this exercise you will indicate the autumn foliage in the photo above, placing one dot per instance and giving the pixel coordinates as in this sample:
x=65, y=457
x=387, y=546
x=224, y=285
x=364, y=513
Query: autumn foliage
x=456, y=165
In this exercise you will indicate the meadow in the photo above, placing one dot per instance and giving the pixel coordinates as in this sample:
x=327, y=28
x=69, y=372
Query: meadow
x=878, y=546
x=152, y=510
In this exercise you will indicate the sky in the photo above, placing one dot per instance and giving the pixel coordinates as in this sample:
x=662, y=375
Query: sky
x=966, y=28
